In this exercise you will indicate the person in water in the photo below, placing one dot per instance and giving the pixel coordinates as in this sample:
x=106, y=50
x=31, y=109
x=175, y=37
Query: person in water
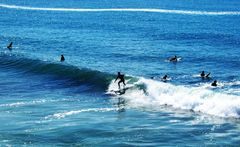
x=165, y=77
x=10, y=46
x=203, y=75
x=214, y=83
x=173, y=59
x=62, y=58
x=122, y=80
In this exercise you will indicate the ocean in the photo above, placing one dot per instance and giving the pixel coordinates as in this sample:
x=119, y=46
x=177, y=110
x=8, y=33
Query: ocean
x=45, y=102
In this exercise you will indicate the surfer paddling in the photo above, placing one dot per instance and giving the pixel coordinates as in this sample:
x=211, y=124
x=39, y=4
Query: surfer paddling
x=203, y=75
x=122, y=80
x=173, y=59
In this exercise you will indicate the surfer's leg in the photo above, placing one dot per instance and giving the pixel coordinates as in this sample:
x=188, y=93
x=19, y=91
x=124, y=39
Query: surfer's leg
x=119, y=84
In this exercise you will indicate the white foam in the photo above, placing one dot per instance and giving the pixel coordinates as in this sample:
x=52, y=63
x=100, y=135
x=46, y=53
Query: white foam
x=198, y=99
x=27, y=103
x=184, y=12
x=18, y=104
x=74, y=112
x=233, y=83
x=113, y=86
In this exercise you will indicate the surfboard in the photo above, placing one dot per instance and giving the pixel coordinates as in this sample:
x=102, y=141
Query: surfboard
x=121, y=91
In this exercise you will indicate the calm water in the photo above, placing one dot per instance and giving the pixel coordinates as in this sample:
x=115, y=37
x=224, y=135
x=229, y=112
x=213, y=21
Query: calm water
x=44, y=102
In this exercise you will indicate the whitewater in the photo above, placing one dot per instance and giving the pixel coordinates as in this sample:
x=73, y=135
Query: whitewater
x=198, y=99
x=185, y=12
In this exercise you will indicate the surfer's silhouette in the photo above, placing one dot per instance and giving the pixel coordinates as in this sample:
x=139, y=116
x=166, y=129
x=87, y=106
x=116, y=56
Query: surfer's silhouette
x=122, y=80
x=62, y=58
x=10, y=46
x=214, y=83
x=164, y=77
x=173, y=59
x=203, y=75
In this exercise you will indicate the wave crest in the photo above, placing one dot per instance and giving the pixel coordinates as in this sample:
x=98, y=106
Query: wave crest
x=151, y=10
x=75, y=75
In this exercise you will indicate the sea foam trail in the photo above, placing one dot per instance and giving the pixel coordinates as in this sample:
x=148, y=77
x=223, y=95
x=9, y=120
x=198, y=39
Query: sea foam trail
x=156, y=94
x=74, y=112
x=183, y=12
x=18, y=104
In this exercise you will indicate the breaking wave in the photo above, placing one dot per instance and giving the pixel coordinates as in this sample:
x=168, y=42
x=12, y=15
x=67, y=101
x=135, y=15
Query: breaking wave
x=154, y=94
x=138, y=93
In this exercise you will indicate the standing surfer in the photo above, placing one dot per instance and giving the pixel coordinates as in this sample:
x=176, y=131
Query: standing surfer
x=122, y=80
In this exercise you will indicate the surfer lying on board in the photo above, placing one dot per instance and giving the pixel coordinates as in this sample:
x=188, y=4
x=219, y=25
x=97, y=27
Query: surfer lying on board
x=173, y=59
x=122, y=80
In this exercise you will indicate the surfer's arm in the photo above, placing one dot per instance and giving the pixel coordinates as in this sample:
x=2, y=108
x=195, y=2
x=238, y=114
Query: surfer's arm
x=208, y=75
x=116, y=79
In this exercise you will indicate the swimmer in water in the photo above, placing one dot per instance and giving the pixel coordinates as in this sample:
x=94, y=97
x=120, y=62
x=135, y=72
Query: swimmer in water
x=214, y=83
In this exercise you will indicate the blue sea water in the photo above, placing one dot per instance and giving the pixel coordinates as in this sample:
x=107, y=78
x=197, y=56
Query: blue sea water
x=45, y=102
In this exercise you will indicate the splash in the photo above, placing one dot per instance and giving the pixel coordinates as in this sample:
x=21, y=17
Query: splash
x=197, y=99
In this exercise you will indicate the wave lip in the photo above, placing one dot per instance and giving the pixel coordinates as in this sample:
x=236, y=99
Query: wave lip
x=152, y=10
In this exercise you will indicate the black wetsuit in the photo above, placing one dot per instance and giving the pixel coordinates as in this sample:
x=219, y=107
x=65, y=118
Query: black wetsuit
x=62, y=58
x=202, y=74
x=10, y=46
x=122, y=80
x=174, y=59
x=164, y=77
x=214, y=83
